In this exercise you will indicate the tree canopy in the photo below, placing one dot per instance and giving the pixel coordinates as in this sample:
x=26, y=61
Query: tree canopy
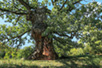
x=67, y=19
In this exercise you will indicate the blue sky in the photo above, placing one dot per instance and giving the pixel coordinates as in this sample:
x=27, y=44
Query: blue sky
x=2, y=21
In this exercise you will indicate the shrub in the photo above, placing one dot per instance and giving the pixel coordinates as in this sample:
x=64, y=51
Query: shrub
x=11, y=53
x=7, y=55
x=25, y=52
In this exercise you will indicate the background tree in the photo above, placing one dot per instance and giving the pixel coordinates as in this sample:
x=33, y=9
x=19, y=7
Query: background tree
x=64, y=21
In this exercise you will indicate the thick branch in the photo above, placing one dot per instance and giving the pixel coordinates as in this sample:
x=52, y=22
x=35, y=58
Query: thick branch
x=63, y=5
x=15, y=12
x=25, y=4
x=53, y=1
x=77, y=2
x=27, y=1
x=19, y=36
x=70, y=8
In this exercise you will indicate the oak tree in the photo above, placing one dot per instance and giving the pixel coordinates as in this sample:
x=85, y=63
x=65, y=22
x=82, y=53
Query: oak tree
x=61, y=23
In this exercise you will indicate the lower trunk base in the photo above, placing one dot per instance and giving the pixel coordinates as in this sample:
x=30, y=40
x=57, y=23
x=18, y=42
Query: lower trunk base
x=44, y=49
x=46, y=54
x=42, y=57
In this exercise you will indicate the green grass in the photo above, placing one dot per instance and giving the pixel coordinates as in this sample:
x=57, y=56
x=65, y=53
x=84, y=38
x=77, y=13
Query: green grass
x=72, y=62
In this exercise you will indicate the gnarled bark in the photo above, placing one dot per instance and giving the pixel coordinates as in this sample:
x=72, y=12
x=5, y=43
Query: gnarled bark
x=44, y=49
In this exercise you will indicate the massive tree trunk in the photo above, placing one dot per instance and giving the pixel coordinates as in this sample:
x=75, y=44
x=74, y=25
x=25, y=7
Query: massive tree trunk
x=44, y=49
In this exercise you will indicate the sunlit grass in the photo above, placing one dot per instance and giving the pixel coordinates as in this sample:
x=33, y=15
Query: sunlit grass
x=75, y=62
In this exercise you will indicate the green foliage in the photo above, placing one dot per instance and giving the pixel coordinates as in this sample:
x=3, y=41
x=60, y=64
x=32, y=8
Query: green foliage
x=64, y=49
x=88, y=49
x=3, y=49
x=74, y=19
x=25, y=52
x=92, y=39
x=76, y=52
x=11, y=53
x=7, y=55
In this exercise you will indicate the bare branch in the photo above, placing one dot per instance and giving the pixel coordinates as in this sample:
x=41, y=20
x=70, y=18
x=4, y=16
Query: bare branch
x=15, y=12
x=25, y=4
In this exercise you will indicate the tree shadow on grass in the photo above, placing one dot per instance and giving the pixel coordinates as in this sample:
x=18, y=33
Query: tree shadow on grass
x=71, y=62
x=75, y=65
x=17, y=66
x=76, y=62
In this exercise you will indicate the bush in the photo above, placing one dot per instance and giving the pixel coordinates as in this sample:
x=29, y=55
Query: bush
x=24, y=53
x=10, y=54
x=7, y=55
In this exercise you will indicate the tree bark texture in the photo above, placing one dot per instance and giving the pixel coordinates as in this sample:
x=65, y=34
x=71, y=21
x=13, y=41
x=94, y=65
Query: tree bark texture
x=44, y=49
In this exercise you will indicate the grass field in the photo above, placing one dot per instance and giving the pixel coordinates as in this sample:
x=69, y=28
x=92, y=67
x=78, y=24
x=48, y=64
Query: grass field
x=72, y=62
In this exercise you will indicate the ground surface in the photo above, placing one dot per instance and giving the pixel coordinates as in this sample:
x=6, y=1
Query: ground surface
x=73, y=62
